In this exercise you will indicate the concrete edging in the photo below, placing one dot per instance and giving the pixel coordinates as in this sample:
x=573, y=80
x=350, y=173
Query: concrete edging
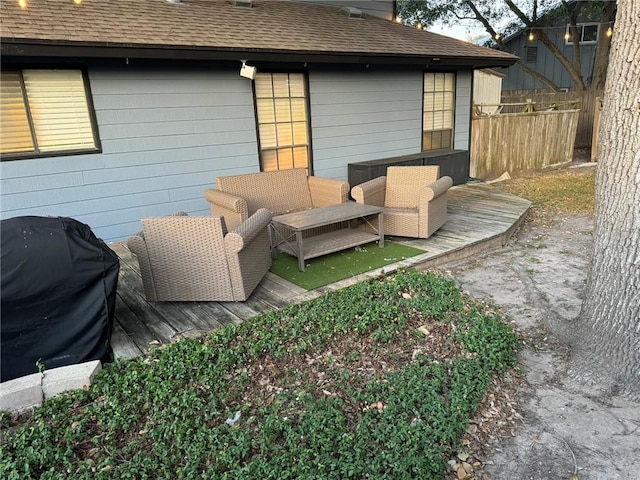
x=21, y=394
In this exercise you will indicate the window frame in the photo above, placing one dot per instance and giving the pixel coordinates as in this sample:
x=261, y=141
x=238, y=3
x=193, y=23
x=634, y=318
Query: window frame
x=20, y=68
x=453, y=110
x=307, y=103
x=580, y=26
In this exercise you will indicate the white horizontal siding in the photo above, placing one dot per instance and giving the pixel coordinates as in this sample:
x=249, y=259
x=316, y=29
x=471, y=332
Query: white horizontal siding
x=463, y=110
x=363, y=116
x=165, y=135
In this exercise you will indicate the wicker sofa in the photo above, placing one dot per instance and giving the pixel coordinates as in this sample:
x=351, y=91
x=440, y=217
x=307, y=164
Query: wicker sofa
x=186, y=258
x=236, y=197
x=414, y=199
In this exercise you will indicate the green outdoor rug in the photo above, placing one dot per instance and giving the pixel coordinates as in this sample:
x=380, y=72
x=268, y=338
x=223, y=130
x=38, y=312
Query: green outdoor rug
x=337, y=266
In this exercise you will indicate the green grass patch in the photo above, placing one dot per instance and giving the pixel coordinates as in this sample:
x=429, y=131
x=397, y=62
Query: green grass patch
x=377, y=380
x=337, y=266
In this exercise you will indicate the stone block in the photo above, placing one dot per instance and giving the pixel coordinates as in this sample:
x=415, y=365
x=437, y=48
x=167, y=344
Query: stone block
x=21, y=394
x=70, y=377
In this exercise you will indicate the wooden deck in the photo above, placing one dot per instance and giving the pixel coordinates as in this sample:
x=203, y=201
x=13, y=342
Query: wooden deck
x=480, y=218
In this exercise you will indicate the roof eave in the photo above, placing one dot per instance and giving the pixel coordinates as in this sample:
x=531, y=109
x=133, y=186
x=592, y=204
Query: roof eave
x=35, y=48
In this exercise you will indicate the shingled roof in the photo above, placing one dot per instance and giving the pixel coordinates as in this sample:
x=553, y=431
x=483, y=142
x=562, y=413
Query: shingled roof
x=218, y=30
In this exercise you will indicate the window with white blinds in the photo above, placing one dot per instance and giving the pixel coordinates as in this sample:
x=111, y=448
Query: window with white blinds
x=283, y=124
x=438, y=110
x=44, y=111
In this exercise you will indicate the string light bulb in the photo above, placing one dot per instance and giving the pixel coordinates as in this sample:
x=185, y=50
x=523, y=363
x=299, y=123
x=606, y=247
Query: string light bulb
x=22, y=3
x=419, y=25
x=567, y=36
x=609, y=32
x=531, y=37
x=497, y=36
x=77, y=2
x=398, y=19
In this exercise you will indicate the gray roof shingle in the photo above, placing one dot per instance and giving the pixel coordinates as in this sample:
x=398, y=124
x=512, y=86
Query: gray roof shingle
x=273, y=27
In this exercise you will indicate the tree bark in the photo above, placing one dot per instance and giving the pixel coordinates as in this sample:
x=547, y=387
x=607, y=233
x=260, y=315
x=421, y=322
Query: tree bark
x=607, y=345
x=599, y=75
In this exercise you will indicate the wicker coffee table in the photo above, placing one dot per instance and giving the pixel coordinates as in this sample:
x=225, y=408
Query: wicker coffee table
x=325, y=243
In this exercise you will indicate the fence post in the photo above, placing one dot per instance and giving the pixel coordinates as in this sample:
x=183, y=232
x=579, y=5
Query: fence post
x=596, y=125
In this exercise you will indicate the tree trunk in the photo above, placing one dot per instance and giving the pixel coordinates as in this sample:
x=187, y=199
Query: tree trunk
x=607, y=344
x=599, y=75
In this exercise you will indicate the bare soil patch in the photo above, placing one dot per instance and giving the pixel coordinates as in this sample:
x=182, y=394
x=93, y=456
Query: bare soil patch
x=546, y=427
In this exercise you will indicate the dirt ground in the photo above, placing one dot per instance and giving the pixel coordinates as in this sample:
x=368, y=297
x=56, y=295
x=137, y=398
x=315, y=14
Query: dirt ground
x=566, y=431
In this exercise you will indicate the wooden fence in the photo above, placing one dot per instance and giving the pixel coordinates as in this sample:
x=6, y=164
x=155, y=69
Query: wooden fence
x=505, y=142
x=588, y=104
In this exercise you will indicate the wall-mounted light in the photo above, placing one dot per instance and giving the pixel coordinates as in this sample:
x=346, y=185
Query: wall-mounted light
x=247, y=71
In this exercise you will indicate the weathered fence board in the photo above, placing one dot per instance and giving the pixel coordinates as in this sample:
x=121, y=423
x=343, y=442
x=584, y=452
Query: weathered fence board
x=520, y=141
x=588, y=104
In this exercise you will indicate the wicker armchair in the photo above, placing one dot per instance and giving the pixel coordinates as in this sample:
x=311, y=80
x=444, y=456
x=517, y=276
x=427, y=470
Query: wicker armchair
x=186, y=258
x=413, y=197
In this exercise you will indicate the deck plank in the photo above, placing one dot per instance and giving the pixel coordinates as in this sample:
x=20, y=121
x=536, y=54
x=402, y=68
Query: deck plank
x=479, y=215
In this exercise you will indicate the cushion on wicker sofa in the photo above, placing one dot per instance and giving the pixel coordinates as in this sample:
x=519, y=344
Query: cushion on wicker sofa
x=186, y=258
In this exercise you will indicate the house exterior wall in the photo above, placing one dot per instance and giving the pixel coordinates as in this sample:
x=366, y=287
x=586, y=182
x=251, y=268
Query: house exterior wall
x=545, y=63
x=363, y=116
x=167, y=134
x=462, y=121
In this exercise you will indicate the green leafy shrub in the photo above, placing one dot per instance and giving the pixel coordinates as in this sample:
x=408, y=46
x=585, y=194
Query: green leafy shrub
x=344, y=386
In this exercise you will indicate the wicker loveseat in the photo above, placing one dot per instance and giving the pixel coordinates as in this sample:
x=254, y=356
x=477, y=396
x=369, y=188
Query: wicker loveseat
x=282, y=191
x=186, y=258
x=413, y=197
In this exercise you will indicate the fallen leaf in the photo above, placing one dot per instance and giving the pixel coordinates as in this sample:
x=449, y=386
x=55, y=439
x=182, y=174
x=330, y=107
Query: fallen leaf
x=462, y=473
x=424, y=330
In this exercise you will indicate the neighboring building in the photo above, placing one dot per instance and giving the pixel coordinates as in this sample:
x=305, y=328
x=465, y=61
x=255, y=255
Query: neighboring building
x=487, y=89
x=117, y=110
x=538, y=57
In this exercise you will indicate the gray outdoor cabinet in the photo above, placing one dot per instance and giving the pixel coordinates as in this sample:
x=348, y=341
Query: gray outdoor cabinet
x=453, y=163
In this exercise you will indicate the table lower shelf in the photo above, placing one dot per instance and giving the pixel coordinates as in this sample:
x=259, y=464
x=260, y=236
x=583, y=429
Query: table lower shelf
x=326, y=243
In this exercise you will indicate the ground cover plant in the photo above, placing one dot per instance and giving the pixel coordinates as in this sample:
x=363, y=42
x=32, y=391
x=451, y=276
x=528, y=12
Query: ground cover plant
x=378, y=380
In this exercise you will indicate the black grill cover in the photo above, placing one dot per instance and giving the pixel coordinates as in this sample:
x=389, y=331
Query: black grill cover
x=58, y=294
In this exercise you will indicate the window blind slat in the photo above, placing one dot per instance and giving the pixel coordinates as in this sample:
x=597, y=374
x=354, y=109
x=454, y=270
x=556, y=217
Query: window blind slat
x=58, y=109
x=15, y=133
